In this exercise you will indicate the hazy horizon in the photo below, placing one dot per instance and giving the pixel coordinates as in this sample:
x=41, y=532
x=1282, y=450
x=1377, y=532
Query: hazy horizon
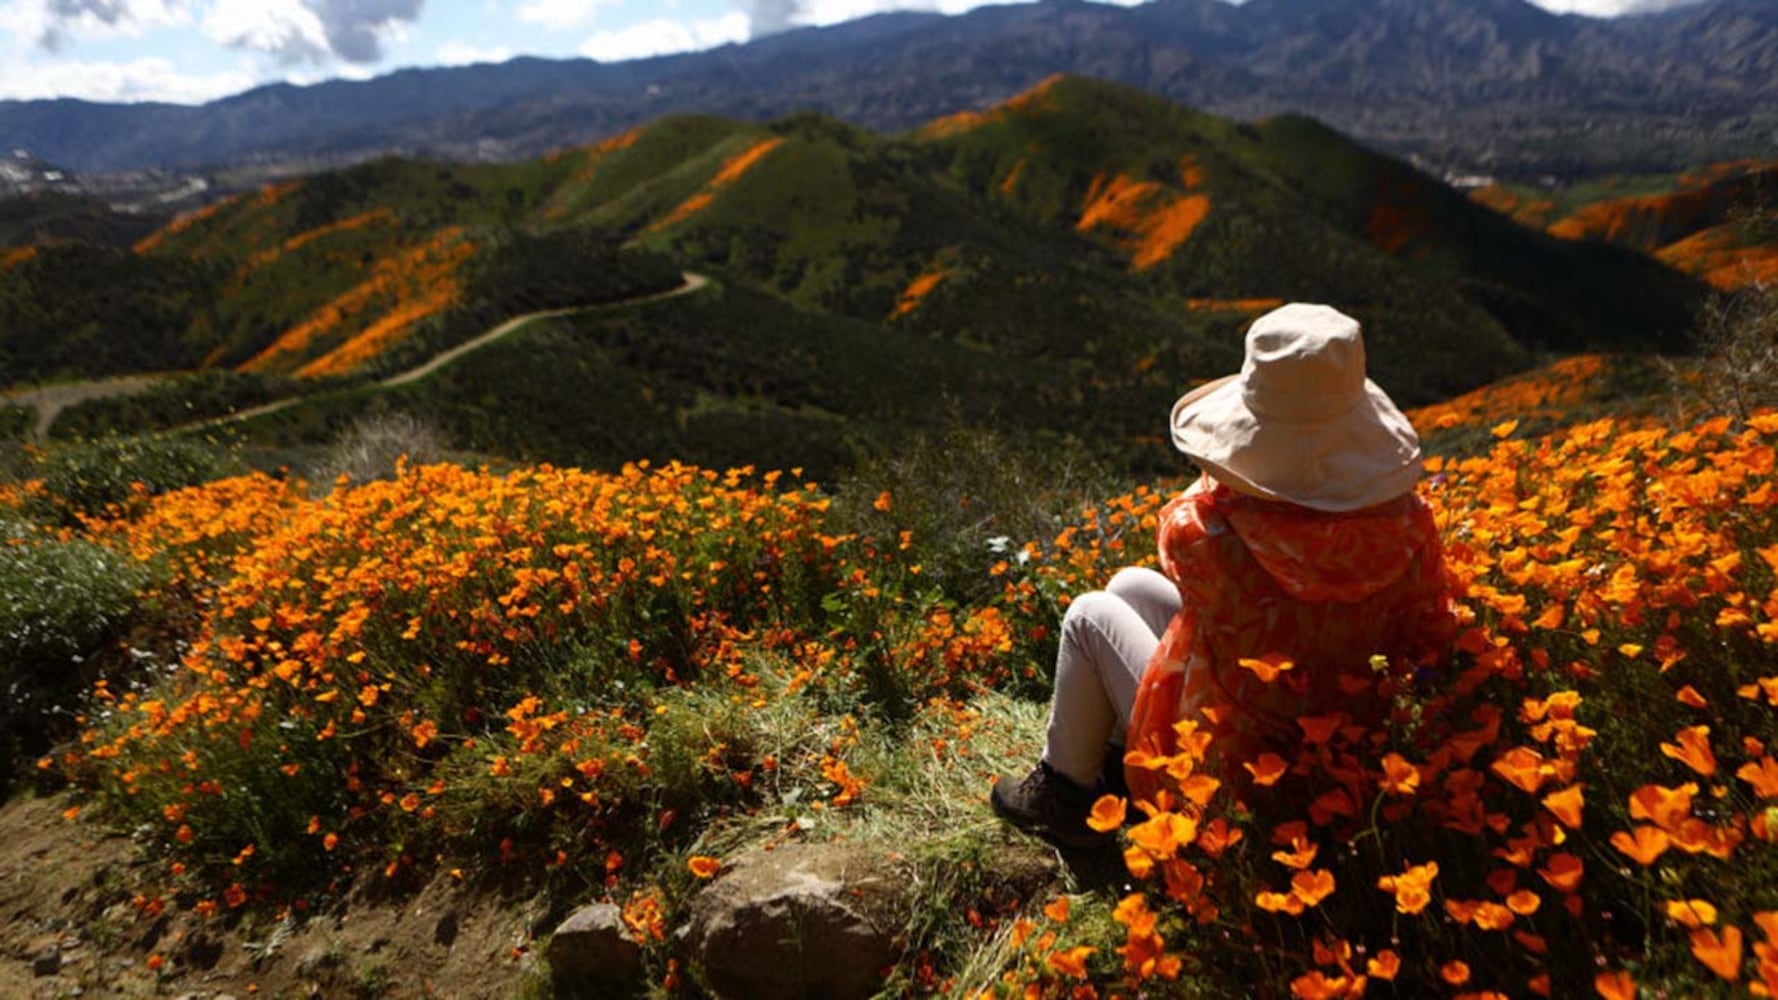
x=195, y=51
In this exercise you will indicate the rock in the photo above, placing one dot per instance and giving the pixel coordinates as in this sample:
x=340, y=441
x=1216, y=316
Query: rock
x=47, y=962
x=316, y=960
x=804, y=920
x=592, y=946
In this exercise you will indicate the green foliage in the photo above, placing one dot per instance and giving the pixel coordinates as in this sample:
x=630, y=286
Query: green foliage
x=174, y=402
x=80, y=309
x=61, y=602
x=16, y=422
x=966, y=497
x=47, y=216
x=88, y=478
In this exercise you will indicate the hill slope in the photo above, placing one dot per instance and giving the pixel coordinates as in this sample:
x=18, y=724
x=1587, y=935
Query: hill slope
x=1076, y=255
x=1714, y=222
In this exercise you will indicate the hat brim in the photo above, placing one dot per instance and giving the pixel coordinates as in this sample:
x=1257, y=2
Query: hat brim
x=1365, y=456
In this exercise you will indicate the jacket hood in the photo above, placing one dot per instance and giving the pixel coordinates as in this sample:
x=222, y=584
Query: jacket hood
x=1320, y=557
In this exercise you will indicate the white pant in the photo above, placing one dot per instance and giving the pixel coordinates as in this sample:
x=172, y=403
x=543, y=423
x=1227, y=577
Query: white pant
x=1108, y=637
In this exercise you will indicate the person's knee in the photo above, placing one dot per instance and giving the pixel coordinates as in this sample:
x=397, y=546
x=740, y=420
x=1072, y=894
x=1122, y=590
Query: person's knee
x=1087, y=611
x=1135, y=580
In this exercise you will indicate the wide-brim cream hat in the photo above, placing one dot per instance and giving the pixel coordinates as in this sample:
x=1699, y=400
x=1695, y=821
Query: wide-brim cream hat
x=1301, y=423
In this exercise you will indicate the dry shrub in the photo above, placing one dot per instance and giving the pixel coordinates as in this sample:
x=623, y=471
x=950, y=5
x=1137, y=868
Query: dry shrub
x=369, y=449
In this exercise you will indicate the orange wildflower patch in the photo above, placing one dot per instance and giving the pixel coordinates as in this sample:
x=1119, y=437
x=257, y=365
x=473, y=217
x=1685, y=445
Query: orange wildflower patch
x=1721, y=256
x=1554, y=388
x=1233, y=305
x=12, y=257
x=261, y=258
x=968, y=121
x=917, y=291
x=417, y=283
x=153, y=241
x=1149, y=220
x=732, y=170
x=1533, y=212
x=1397, y=219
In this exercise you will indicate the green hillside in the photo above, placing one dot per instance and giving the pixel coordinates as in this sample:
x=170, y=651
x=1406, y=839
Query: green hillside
x=1288, y=208
x=1714, y=222
x=1067, y=261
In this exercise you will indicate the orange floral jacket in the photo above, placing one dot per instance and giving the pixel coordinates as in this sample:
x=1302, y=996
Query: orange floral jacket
x=1306, y=598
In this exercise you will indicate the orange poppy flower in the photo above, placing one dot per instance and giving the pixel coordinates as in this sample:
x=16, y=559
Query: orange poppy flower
x=1493, y=917
x=1693, y=913
x=1664, y=807
x=1107, y=815
x=1454, y=972
x=1073, y=962
x=1644, y=845
x=1267, y=667
x=1566, y=805
x=1164, y=834
x=1279, y=902
x=1524, y=902
x=1057, y=909
x=1319, y=729
x=1399, y=776
x=1615, y=986
x=1693, y=750
x=1721, y=953
x=1522, y=767
x=703, y=866
x=1384, y=966
x=1763, y=776
x=1768, y=922
x=1312, y=887
x=1563, y=872
x=1218, y=836
x=1267, y=769
x=1412, y=888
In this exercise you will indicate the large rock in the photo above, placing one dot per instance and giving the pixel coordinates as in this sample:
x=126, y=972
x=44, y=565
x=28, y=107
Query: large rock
x=802, y=921
x=591, y=947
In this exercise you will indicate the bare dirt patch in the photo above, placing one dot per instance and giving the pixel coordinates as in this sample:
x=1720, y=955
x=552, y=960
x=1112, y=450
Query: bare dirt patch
x=70, y=925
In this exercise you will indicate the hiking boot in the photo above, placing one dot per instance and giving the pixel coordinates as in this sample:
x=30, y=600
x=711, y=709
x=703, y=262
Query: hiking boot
x=1111, y=776
x=1047, y=804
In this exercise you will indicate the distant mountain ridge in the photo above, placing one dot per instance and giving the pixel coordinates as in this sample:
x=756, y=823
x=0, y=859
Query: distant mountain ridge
x=1479, y=84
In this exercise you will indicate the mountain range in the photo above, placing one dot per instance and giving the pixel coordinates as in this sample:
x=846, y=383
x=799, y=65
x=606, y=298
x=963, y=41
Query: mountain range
x=1497, y=86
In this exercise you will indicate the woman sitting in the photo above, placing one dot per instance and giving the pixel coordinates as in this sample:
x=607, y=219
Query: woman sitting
x=1301, y=550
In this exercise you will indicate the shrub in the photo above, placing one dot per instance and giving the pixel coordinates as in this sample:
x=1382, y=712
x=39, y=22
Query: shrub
x=60, y=603
x=87, y=478
x=15, y=422
x=1738, y=340
x=965, y=496
x=368, y=450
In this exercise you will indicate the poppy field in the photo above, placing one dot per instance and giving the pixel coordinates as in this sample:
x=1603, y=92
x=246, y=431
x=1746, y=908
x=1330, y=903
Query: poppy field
x=609, y=682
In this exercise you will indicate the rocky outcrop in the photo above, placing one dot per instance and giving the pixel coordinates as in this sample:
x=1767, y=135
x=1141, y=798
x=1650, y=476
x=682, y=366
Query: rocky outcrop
x=801, y=921
x=591, y=948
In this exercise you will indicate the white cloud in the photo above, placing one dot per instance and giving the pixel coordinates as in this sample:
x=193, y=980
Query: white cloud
x=562, y=13
x=664, y=35
x=53, y=24
x=457, y=53
x=147, y=79
x=1611, y=8
x=288, y=29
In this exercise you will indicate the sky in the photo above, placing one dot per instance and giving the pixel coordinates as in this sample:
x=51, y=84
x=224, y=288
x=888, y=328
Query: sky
x=191, y=51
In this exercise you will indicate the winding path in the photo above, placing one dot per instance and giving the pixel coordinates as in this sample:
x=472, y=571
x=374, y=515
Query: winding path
x=50, y=400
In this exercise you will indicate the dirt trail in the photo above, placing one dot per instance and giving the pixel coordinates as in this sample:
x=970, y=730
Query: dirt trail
x=691, y=283
x=49, y=401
